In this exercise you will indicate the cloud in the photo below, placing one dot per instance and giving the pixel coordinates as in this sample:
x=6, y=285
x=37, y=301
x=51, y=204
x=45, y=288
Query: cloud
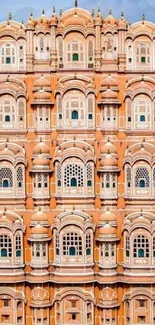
x=132, y=9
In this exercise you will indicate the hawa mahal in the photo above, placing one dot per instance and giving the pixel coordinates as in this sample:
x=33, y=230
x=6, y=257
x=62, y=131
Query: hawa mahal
x=77, y=170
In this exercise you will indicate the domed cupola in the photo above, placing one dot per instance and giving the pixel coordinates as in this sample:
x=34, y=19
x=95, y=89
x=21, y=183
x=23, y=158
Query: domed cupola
x=42, y=91
x=39, y=217
x=40, y=173
x=109, y=147
x=107, y=239
x=108, y=158
x=110, y=20
x=122, y=23
x=108, y=169
x=110, y=82
x=98, y=19
x=30, y=23
x=42, y=22
x=39, y=239
x=107, y=226
x=41, y=148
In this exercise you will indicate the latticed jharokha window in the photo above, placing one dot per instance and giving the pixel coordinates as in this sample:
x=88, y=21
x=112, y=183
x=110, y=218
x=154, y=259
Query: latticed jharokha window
x=19, y=177
x=72, y=244
x=6, y=178
x=5, y=246
x=73, y=176
x=127, y=246
x=142, y=178
x=143, y=53
x=75, y=52
x=128, y=174
x=88, y=244
x=141, y=246
x=8, y=54
x=18, y=246
x=57, y=244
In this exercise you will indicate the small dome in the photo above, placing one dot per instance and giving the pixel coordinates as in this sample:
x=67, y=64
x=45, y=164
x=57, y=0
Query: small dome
x=107, y=216
x=30, y=22
x=41, y=147
x=110, y=19
x=108, y=161
x=39, y=216
x=109, y=81
x=107, y=230
x=41, y=161
x=39, y=230
x=108, y=147
x=42, y=95
x=98, y=18
x=42, y=82
x=53, y=20
x=43, y=20
x=110, y=94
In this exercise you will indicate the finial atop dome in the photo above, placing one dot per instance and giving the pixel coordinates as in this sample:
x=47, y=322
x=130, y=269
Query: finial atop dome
x=53, y=9
x=122, y=14
x=110, y=11
x=143, y=18
x=76, y=3
x=31, y=14
x=60, y=11
x=99, y=9
x=10, y=16
x=43, y=12
x=93, y=12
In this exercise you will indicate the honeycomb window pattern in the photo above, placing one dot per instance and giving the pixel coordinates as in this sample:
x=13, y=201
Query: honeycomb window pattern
x=73, y=171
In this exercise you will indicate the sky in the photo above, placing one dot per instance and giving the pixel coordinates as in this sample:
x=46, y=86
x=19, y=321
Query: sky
x=133, y=9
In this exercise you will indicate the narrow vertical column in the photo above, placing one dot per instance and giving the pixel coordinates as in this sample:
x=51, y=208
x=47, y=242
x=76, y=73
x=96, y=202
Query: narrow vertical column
x=122, y=28
x=29, y=44
x=98, y=24
x=53, y=53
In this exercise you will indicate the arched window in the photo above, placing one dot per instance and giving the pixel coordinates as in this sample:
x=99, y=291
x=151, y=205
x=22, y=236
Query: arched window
x=5, y=246
x=6, y=178
x=73, y=182
x=73, y=175
x=75, y=54
x=18, y=246
x=127, y=246
x=75, y=57
x=142, y=178
x=141, y=247
x=7, y=118
x=42, y=47
x=88, y=244
x=107, y=253
x=41, y=184
x=75, y=115
x=89, y=183
x=90, y=54
x=72, y=244
x=142, y=118
x=142, y=183
x=143, y=53
x=8, y=54
x=5, y=183
x=74, y=109
x=142, y=112
x=39, y=253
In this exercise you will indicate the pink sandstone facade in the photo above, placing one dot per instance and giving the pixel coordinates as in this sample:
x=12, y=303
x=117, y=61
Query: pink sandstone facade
x=77, y=170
